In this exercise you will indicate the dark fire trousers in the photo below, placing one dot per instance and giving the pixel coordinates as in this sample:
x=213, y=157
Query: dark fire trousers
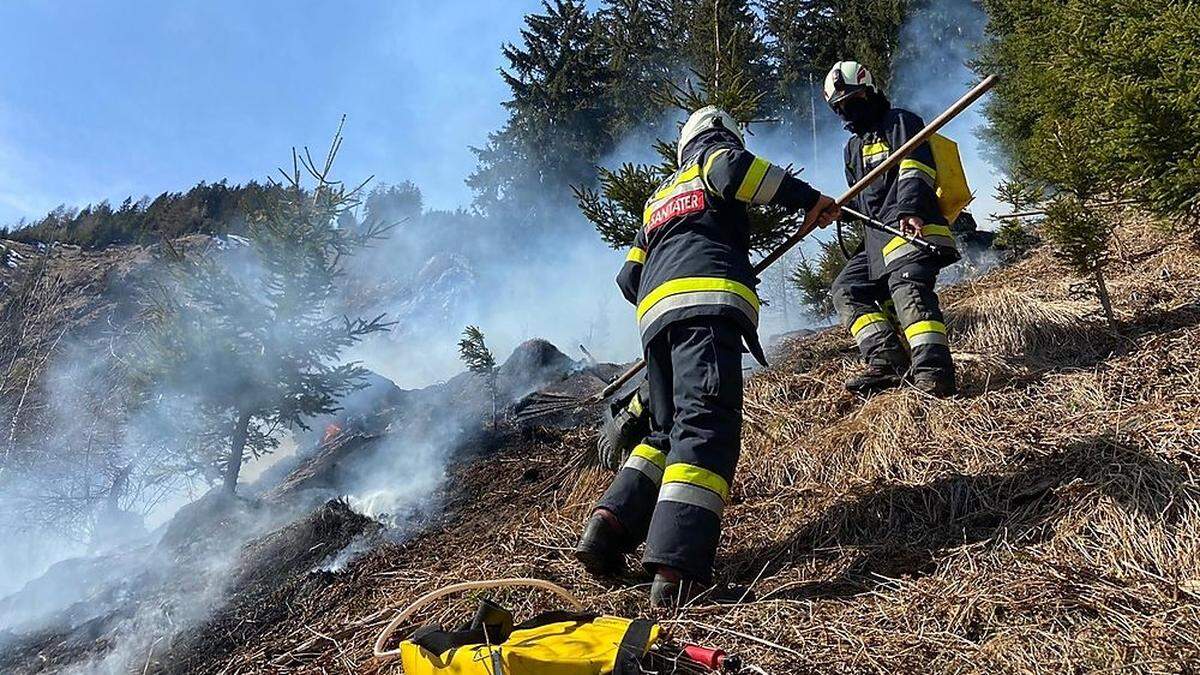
x=860, y=300
x=673, y=489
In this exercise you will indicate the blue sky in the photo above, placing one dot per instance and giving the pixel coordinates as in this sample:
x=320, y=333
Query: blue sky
x=100, y=100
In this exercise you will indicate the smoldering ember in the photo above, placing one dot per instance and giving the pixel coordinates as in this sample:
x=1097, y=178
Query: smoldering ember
x=627, y=336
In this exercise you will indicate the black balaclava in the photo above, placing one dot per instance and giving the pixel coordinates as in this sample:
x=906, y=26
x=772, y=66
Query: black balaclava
x=863, y=113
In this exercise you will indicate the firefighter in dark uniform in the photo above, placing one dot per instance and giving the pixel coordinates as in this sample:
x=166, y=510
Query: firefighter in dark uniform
x=889, y=270
x=689, y=274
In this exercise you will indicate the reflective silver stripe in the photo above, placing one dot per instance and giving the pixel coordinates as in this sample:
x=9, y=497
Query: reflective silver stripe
x=931, y=338
x=769, y=186
x=916, y=173
x=687, y=186
x=909, y=249
x=873, y=328
x=686, y=493
x=871, y=160
x=646, y=467
x=695, y=299
x=899, y=252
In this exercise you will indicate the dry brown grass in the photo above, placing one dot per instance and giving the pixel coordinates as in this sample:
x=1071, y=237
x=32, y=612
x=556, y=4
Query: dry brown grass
x=1047, y=520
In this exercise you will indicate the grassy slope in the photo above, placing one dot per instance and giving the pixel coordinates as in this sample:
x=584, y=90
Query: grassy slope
x=1047, y=516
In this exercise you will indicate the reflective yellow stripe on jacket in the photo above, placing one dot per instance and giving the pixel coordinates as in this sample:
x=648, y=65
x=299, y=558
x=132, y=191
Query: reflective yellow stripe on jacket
x=685, y=292
x=911, y=168
x=874, y=153
x=687, y=180
x=712, y=158
x=760, y=183
x=636, y=255
x=899, y=247
x=695, y=485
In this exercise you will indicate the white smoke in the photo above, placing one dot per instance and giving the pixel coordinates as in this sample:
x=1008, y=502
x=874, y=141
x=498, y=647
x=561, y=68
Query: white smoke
x=933, y=69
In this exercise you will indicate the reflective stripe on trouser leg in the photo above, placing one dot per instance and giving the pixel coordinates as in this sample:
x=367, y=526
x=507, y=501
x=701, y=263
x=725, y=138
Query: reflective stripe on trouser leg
x=704, y=446
x=695, y=485
x=924, y=333
x=917, y=308
x=632, y=495
x=647, y=460
x=634, y=491
x=868, y=326
x=856, y=298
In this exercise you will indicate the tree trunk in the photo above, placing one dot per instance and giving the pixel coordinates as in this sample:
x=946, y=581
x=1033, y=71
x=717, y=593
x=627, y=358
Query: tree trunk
x=492, y=387
x=236, y=447
x=783, y=295
x=1105, y=300
x=117, y=490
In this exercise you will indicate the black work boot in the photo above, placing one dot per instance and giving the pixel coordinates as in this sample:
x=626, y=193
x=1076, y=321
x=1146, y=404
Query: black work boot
x=874, y=379
x=667, y=593
x=602, y=547
x=939, y=383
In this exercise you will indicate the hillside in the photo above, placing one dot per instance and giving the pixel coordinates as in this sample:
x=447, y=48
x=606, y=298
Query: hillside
x=1045, y=520
x=247, y=421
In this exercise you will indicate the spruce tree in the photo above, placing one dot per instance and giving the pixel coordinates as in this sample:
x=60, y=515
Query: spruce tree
x=814, y=278
x=1117, y=78
x=638, y=40
x=808, y=36
x=558, y=114
x=732, y=77
x=725, y=39
x=1015, y=233
x=242, y=337
x=474, y=352
x=1080, y=238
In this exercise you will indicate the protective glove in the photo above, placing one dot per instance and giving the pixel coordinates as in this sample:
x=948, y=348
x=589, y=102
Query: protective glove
x=607, y=454
x=626, y=423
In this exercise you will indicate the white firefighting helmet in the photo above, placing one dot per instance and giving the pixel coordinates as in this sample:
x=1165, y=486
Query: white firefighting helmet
x=708, y=117
x=845, y=79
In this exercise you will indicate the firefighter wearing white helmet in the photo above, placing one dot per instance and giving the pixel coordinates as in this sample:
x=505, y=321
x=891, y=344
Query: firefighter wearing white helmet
x=689, y=275
x=890, y=270
x=847, y=78
x=707, y=118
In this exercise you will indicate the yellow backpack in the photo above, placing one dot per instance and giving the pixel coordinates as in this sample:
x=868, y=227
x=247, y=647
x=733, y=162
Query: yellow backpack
x=557, y=643
x=953, y=193
x=554, y=643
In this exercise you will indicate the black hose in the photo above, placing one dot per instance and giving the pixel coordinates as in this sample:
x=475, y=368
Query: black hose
x=842, y=242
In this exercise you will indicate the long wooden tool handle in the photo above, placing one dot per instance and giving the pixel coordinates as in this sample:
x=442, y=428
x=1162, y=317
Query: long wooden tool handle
x=895, y=158
x=620, y=381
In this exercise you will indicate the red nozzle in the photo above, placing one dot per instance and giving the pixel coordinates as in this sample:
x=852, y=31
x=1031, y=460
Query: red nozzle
x=709, y=658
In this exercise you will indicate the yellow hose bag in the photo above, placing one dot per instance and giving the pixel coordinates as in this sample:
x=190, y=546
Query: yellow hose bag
x=557, y=643
x=953, y=193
